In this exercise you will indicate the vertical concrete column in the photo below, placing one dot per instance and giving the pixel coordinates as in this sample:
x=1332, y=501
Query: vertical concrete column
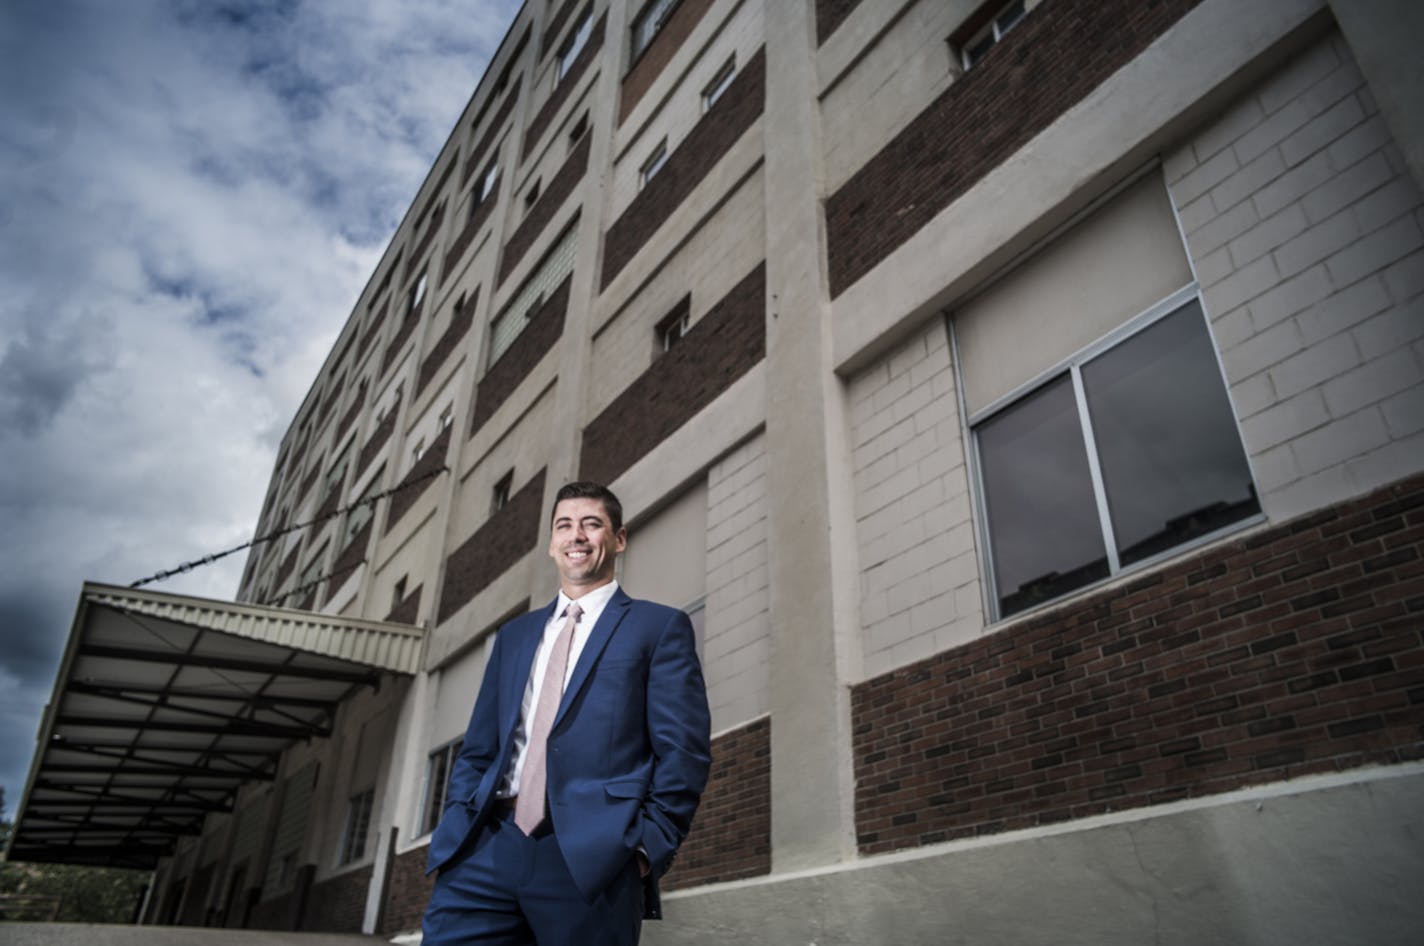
x=576, y=344
x=811, y=528
x=1384, y=36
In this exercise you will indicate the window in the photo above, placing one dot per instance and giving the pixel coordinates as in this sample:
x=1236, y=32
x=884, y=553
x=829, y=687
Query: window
x=358, y=826
x=1131, y=451
x=417, y=294
x=675, y=325
x=723, y=78
x=417, y=451
x=575, y=44
x=364, y=509
x=500, y=497
x=398, y=591
x=446, y=416
x=550, y=273
x=647, y=24
x=650, y=167
x=531, y=196
x=577, y=131
x=437, y=781
x=487, y=183
x=990, y=33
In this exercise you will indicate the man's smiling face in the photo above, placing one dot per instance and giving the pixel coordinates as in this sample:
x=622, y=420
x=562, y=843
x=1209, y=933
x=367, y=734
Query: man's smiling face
x=584, y=545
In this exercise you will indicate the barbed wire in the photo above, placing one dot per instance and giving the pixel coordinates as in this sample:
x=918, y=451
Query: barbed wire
x=286, y=530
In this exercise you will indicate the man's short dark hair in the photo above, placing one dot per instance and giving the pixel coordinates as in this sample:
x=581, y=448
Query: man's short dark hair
x=584, y=489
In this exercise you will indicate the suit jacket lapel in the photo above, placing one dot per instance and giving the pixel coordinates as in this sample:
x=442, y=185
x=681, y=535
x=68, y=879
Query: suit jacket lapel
x=598, y=638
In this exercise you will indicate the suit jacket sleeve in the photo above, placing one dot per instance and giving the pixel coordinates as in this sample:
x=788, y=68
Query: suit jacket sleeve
x=679, y=729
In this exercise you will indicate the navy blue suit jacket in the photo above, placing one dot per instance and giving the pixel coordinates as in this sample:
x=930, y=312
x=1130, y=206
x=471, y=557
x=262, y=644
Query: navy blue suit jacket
x=628, y=753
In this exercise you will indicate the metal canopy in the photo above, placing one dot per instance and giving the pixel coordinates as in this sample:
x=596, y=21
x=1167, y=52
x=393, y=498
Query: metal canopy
x=165, y=704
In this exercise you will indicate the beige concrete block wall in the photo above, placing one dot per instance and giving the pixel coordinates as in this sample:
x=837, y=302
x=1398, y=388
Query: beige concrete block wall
x=919, y=580
x=737, y=643
x=1304, y=226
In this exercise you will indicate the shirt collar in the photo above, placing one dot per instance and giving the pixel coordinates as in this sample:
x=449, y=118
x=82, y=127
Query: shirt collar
x=595, y=600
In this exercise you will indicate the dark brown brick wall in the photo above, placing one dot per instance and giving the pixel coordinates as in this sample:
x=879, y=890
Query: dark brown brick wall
x=1048, y=63
x=352, y=412
x=338, y=905
x=549, y=202
x=373, y=330
x=378, y=438
x=711, y=138
x=830, y=14
x=349, y=559
x=407, y=326
x=408, y=609
x=285, y=569
x=407, y=892
x=556, y=23
x=460, y=321
x=477, y=218
x=503, y=377
x=309, y=480
x=329, y=503
x=721, y=347
x=1292, y=651
x=430, y=461
x=479, y=153
x=685, y=17
x=731, y=835
x=505, y=538
x=580, y=65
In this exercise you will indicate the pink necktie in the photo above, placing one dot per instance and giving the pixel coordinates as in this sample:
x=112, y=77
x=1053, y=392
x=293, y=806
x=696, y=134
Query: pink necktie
x=529, y=805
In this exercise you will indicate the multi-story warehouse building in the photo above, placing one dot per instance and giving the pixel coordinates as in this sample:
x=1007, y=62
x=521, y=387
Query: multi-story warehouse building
x=1024, y=398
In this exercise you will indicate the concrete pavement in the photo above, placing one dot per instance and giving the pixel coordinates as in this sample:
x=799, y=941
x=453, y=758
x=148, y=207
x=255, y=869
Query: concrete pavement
x=93, y=934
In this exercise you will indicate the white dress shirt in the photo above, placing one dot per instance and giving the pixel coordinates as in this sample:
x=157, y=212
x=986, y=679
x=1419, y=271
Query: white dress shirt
x=592, y=604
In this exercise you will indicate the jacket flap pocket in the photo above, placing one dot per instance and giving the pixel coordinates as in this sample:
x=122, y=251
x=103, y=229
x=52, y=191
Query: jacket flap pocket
x=625, y=788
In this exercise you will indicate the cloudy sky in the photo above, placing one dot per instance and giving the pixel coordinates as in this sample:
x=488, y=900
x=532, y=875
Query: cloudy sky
x=192, y=195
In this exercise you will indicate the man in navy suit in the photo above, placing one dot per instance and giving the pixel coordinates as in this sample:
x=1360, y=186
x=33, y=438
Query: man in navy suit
x=622, y=753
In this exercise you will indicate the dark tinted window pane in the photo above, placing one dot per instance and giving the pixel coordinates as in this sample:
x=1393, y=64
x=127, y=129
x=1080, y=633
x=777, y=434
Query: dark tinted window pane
x=1171, y=457
x=1043, y=521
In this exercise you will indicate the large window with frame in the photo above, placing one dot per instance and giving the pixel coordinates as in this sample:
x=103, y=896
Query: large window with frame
x=647, y=24
x=1130, y=452
x=358, y=826
x=437, y=781
x=574, y=45
x=1101, y=431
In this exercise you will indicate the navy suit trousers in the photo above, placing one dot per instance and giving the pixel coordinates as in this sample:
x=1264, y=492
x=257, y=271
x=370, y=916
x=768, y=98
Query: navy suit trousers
x=513, y=890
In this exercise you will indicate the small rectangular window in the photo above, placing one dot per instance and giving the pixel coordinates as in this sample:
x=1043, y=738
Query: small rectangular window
x=979, y=44
x=488, y=182
x=531, y=196
x=655, y=161
x=447, y=415
x=575, y=45
x=499, y=498
x=723, y=78
x=675, y=325
x=417, y=295
x=417, y=451
x=358, y=826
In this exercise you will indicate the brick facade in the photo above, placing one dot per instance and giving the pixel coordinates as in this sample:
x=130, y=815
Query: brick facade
x=556, y=23
x=720, y=347
x=534, y=223
x=539, y=336
x=480, y=151
x=407, y=892
x=830, y=14
x=731, y=834
x=506, y=537
x=460, y=321
x=408, y=608
x=479, y=215
x=338, y=904
x=378, y=438
x=1042, y=68
x=349, y=559
x=669, y=39
x=699, y=152
x=1290, y=651
x=403, y=331
x=430, y=461
x=540, y=123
